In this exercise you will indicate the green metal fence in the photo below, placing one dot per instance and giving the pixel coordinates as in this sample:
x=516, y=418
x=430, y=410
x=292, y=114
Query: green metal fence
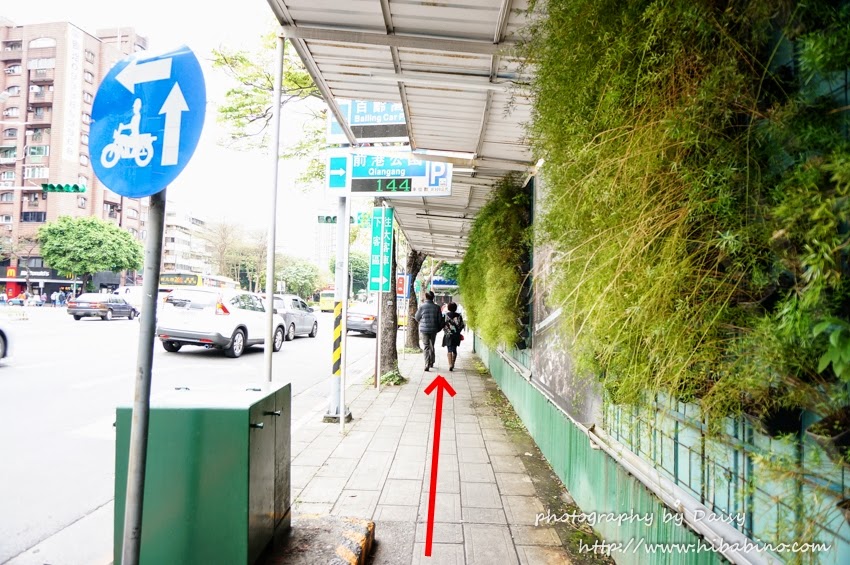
x=732, y=478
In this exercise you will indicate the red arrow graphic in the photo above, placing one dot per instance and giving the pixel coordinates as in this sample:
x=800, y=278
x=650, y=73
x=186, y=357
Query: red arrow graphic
x=441, y=385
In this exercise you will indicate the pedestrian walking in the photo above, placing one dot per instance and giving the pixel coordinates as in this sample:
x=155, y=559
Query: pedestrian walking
x=452, y=327
x=430, y=324
x=53, y=298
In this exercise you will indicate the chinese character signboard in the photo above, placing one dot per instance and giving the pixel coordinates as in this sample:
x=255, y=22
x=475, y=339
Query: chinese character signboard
x=380, y=259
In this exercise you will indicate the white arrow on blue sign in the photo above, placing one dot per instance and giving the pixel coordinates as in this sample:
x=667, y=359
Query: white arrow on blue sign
x=388, y=174
x=147, y=118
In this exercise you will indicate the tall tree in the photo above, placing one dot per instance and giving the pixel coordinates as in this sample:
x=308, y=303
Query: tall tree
x=358, y=268
x=415, y=259
x=84, y=246
x=224, y=240
x=389, y=323
x=301, y=276
x=247, y=110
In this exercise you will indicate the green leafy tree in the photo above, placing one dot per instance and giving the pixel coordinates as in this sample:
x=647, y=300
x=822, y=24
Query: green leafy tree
x=301, y=276
x=247, y=110
x=84, y=246
x=358, y=268
x=449, y=271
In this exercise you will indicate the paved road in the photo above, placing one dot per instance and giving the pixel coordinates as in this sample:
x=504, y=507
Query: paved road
x=57, y=403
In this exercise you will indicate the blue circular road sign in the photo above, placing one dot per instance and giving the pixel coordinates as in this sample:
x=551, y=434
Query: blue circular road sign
x=146, y=121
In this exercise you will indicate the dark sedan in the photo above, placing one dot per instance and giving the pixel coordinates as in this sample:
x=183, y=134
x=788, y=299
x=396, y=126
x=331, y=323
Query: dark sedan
x=103, y=306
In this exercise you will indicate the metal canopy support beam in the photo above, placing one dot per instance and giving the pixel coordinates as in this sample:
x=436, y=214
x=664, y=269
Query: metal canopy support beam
x=484, y=163
x=424, y=42
x=458, y=81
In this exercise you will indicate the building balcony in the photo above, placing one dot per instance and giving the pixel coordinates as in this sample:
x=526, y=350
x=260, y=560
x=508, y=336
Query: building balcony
x=41, y=98
x=11, y=55
x=8, y=160
x=42, y=75
x=39, y=118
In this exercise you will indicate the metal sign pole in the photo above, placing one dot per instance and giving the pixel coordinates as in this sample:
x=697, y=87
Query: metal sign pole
x=383, y=210
x=341, y=276
x=141, y=399
x=275, y=152
x=346, y=231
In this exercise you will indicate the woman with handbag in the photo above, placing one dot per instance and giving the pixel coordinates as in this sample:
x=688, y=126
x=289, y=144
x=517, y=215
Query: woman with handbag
x=452, y=326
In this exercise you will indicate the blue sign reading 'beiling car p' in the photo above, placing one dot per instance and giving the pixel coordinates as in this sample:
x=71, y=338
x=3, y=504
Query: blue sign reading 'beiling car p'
x=147, y=118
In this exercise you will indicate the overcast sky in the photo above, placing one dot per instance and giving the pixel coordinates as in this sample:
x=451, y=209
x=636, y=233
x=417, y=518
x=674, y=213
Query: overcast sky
x=218, y=182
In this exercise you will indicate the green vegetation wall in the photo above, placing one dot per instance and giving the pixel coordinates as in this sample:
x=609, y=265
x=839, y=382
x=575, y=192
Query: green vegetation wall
x=494, y=270
x=698, y=170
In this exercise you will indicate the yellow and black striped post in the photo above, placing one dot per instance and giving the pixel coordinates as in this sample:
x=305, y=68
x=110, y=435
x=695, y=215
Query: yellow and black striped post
x=337, y=352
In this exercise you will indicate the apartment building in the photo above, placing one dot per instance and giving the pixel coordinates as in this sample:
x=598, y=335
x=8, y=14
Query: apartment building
x=50, y=74
x=186, y=246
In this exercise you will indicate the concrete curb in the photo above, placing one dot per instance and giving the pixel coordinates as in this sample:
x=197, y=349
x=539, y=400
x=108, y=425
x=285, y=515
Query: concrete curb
x=320, y=538
x=356, y=544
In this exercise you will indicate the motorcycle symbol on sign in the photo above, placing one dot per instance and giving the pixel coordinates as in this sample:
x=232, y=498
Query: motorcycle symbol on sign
x=133, y=145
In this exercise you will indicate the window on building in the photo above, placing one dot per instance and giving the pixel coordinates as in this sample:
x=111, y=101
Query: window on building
x=39, y=111
x=89, y=56
x=82, y=202
x=33, y=217
x=38, y=150
x=10, y=132
x=13, y=70
x=39, y=133
x=36, y=172
x=12, y=112
x=8, y=152
x=42, y=63
x=7, y=175
x=88, y=77
x=134, y=232
x=144, y=234
x=84, y=159
x=84, y=139
x=86, y=118
x=13, y=46
x=132, y=213
x=83, y=180
x=42, y=42
x=88, y=97
x=7, y=196
x=6, y=219
x=34, y=262
x=14, y=90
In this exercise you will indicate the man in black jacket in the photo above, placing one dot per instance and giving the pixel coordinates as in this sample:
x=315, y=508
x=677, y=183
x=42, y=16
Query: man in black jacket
x=430, y=323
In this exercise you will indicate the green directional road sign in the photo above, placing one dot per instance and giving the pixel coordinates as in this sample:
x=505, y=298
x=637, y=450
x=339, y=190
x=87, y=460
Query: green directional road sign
x=382, y=240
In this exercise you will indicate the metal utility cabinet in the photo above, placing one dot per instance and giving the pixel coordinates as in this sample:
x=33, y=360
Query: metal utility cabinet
x=217, y=485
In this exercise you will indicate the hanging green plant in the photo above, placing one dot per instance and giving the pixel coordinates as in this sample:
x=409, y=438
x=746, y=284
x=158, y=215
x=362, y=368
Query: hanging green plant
x=491, y=275
x=696, y=181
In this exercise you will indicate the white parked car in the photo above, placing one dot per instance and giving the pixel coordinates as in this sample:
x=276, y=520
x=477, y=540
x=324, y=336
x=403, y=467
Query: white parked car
x=5, y=341
x=230, y=320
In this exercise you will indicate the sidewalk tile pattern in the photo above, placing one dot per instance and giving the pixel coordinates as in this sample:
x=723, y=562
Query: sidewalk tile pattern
x=380, y=470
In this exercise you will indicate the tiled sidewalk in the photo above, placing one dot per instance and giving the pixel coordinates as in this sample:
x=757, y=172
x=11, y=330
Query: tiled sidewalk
x=380, y=470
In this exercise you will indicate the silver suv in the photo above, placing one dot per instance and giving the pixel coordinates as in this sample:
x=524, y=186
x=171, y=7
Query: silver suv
x=299, y=318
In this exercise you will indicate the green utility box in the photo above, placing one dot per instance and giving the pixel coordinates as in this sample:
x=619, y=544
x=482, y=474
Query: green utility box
x=217, y=482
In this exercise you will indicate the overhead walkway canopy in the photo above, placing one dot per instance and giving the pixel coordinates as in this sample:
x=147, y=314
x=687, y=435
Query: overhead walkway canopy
x=449, y=64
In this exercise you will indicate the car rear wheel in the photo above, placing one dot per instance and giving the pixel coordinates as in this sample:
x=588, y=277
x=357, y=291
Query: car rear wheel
x=290, y=334
x=171, y=346
x=107, y=316
x=2, y=347
x=278, y=339
x=315, y=329
x=237, y=345
x=131, y=315
x=78, y=318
